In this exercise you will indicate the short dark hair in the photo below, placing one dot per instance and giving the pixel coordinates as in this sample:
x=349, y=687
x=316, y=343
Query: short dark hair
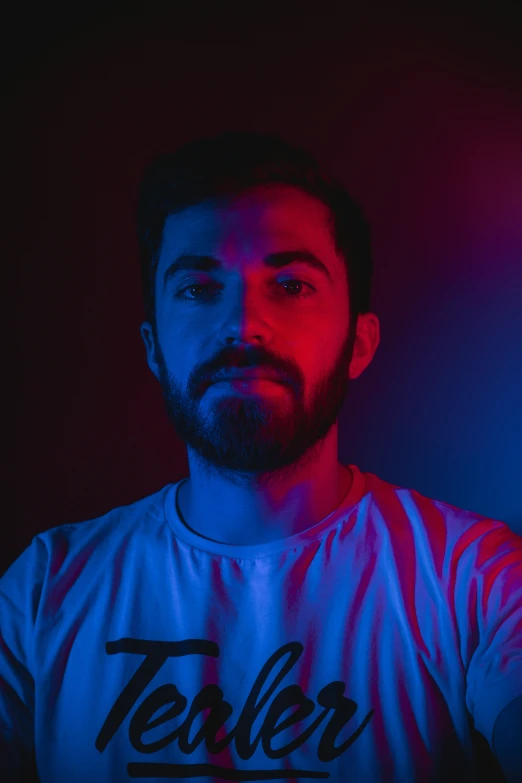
x=227, y=164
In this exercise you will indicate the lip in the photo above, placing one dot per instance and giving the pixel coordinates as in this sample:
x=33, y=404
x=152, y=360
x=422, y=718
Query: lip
x=246, y=375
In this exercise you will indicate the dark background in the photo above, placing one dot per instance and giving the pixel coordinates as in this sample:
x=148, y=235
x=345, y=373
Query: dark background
x=416, y=107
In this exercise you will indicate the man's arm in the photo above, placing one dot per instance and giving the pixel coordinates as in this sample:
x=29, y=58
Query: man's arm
x=507, y=740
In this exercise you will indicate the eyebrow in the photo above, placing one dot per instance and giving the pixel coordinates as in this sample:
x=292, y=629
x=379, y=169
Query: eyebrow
x=205, y=263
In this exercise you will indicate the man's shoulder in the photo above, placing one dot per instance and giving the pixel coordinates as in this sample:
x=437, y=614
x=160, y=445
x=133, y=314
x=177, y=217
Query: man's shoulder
x=424, y=511
x=52, y=550
x=144, y=511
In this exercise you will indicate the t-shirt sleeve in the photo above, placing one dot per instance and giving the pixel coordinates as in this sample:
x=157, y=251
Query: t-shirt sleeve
x=20, y=589
x=493, y=602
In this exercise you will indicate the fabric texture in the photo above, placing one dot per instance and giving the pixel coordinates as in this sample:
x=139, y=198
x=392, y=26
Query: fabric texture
x=365, y=648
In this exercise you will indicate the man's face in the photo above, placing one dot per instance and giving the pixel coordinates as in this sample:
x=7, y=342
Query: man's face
x=248, y=314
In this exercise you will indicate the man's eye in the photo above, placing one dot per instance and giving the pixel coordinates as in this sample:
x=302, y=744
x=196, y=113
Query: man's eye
x=204, y=286
x=193, y=286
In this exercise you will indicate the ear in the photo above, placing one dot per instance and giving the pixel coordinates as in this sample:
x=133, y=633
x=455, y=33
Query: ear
x=147, y=335
x=367, y=339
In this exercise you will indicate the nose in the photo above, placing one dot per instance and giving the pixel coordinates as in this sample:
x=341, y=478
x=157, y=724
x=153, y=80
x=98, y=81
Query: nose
x=245, y=318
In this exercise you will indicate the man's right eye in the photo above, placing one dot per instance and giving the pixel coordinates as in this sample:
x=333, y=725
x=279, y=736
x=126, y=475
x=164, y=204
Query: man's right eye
x=181, y=293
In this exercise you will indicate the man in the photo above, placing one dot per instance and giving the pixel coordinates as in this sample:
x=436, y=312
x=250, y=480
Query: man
x=275, y=615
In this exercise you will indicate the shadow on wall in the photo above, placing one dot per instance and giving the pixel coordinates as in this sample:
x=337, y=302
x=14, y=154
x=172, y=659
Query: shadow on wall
x=488, y=768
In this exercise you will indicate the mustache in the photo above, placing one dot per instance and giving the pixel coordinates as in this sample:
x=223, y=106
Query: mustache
x=250, y=359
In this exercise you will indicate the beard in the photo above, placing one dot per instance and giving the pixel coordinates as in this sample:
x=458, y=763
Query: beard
x=240, y=434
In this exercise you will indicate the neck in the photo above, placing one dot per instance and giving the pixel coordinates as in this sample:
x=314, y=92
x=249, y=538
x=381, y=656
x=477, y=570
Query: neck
x=234, y=515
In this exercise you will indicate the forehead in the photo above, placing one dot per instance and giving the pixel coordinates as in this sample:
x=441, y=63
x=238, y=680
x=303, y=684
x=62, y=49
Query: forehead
x=254, y=220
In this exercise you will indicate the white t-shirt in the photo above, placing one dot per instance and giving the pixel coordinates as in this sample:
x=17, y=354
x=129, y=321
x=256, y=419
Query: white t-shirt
x=362, y=649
